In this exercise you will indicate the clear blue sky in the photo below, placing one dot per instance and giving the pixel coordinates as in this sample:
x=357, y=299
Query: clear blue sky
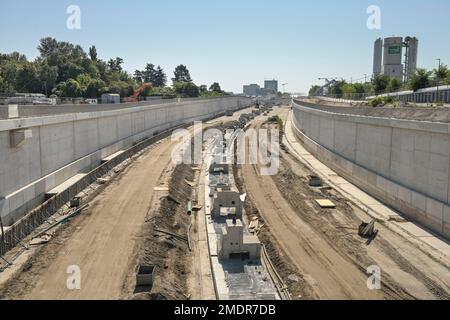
x=233, y=42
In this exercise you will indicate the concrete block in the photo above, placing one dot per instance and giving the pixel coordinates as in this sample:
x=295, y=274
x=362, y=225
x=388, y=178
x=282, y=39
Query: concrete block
x=29, y=193
x=345, y=139
x=326, y=133
x=86, y=137
x=446, y=214
x=419, y=201
x=4, y=207
x=405, y=194
x=50, y=182
x=440, y=144
x=422, y=141
x=16, y=200
x=435, y=210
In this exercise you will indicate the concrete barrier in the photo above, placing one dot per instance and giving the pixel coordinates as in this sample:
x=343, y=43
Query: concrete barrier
x=66, y=144
x=404, y=163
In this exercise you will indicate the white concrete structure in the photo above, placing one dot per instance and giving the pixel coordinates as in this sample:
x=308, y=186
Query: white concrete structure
x=227, y=204
x=234, y=243
x=412, y=52
x=378, y=56
x=108, y=98
x=64, y=145
x=404, y=163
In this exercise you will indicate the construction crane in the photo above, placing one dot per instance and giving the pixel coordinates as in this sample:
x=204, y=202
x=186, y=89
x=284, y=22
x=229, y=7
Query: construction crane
x=328, y=82
x=138, y=92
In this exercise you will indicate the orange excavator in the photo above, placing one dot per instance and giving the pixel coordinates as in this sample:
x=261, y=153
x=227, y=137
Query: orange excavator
x=138, y=92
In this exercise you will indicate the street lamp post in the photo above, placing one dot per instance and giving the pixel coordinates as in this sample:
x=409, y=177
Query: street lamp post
x=438, y=78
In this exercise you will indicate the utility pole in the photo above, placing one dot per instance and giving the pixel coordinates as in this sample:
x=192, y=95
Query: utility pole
x=439, y=68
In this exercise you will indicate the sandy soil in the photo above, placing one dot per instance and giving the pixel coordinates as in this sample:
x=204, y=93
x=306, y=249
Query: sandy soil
x=104, y=242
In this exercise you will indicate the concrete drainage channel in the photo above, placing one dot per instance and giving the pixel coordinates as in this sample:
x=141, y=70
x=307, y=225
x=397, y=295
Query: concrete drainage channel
x=15, y=234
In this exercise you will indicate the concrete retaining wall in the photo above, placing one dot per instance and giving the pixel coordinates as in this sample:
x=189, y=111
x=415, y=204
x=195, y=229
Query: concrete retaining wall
x=404, y=163
x=64, y=145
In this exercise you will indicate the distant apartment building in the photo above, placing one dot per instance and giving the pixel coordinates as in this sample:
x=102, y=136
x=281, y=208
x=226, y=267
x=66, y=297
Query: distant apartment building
x=271, y=85
x=252, y=90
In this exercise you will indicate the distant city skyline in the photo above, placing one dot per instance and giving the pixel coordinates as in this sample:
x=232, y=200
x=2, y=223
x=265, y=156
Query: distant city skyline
x=234, y=42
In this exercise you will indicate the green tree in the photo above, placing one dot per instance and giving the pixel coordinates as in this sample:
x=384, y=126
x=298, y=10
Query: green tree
x=313, y=90
x=394, y=84
x=95, y=89
x=215, y=87
x=115, y=65
x=48, y=76
x=149, y=73
x=84, y=80
x=348, y=90
x=160, y=79
x=93, y=53
x=380, y=83
x=186, y=89
x=441, y=73
x=203, y=89
x=181, y=74
x=5, y=87
x=138, y=76
x=70, y=89
x=337, y=88
x=28, y=79
x=419, y=80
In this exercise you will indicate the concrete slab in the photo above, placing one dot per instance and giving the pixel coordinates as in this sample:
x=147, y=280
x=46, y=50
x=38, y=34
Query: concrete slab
x=220, y=277
x=109, y=158
x=66, y=184
x=325, y=203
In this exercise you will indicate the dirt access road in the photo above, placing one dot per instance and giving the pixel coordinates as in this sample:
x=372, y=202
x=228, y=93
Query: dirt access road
x=103, y=247
x=104, y=240
x=324, y=246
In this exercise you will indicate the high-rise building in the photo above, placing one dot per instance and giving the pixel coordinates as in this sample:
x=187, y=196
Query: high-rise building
x=412, y=47
x=271, y=85
x=378, y=56
x=392, y=57
x=252, y=90
x=388, y=54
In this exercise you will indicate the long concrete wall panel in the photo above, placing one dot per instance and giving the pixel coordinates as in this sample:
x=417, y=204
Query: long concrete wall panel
x=65, y=144
x=405, y=163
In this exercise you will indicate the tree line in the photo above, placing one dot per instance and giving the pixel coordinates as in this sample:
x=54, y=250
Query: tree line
x=380, y=84
x=63, y=69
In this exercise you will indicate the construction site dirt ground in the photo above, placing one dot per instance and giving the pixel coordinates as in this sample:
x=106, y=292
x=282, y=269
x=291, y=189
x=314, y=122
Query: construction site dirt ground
x=316, y=251
x=109, y=239
x=324, y=246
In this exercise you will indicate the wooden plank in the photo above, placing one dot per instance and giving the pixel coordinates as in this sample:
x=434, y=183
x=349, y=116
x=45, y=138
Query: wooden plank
x=325, y=203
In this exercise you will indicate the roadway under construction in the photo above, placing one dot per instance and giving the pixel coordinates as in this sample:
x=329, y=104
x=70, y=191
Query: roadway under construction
x=150, y=211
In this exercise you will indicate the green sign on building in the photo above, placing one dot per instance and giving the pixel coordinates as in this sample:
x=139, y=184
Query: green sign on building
x=394, y=50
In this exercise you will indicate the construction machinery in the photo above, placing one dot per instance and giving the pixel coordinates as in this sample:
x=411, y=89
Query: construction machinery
x=138, y=92
x=367, y=230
